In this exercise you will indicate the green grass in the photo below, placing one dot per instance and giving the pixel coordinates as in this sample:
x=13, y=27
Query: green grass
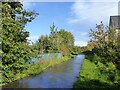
x=90, y=76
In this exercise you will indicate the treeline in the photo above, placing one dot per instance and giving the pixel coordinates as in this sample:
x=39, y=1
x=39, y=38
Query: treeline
x=105, y=47
x=58, y=41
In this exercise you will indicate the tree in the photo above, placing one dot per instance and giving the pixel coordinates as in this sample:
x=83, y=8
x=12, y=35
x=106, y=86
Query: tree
x=54, y=38
x=56, y=41
x=99, y=35
x=15, y=48
x=67, y=38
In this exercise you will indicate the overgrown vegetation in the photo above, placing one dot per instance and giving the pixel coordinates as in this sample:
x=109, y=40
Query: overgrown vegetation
x=95, y=76
x=102, y=62
x=107, y=50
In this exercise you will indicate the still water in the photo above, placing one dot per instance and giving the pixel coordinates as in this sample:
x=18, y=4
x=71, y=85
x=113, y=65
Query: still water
x=62, y=75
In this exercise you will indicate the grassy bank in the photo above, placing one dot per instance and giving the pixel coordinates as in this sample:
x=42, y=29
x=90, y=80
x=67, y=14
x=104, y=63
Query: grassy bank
x=36, y=69
x=91, y=77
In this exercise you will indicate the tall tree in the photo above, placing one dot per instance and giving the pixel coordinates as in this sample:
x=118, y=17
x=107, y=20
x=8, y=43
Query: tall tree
x=67, y=41
x=15, y=48
x=54, y=38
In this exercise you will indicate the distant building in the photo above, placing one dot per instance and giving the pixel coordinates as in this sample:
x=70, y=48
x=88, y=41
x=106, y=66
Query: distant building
x=115, y=23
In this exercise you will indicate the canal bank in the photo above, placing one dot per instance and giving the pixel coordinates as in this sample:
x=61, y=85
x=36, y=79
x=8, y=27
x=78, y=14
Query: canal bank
x=61, y=75
x=37, y=68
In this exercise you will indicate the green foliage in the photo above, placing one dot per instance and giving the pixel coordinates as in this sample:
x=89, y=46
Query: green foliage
x=57, y=41
x=91, y=76
x=67, y=41
x=43, y=44
x=15, y=48
x=83, y=49
x=101, y=64
x=107, y=50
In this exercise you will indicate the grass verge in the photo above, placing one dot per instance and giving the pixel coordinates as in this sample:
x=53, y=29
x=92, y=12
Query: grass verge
x=91, y=77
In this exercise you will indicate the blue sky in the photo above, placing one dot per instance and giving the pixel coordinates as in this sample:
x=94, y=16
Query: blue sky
x=76, y=17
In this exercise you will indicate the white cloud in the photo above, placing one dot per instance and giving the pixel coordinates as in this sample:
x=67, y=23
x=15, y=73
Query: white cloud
x=92, y=11
x=80, y=43
x=81, y=40
x=33, y=38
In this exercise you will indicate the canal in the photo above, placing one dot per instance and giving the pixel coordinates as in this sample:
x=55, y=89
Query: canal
x=62, y=75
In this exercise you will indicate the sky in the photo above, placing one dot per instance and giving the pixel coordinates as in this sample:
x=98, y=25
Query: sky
x=75, y=17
